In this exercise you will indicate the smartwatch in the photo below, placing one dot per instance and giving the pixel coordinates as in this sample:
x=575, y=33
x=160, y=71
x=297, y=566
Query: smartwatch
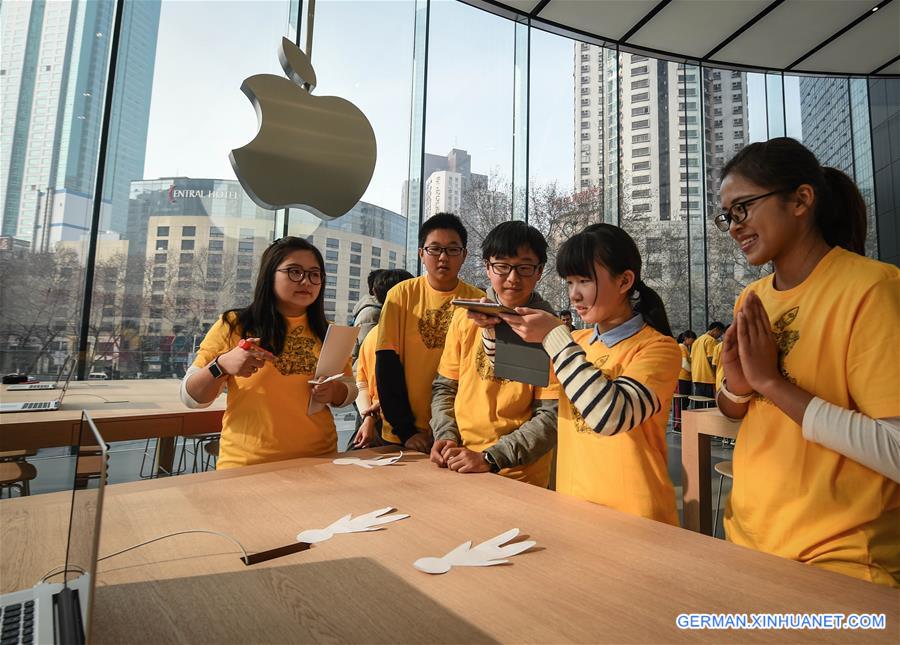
x=489, y=459
x=215, y=369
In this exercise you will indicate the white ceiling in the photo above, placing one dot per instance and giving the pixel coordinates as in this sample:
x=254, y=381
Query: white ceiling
x=808, y=36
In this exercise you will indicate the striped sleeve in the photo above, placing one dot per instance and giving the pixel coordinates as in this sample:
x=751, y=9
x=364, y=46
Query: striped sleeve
x=489, y=342
x=607, y=406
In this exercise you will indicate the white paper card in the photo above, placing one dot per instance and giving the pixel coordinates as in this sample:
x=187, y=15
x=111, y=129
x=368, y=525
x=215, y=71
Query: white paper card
x=385, y=460
x=336, y=351
x=488, y=553
x=348, y=524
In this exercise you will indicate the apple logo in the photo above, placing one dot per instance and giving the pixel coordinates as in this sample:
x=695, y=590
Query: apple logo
x=312, y=152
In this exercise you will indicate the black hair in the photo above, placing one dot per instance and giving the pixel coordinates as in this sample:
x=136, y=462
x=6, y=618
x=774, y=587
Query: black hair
x=683, y=336
x=839, y=211
x=565, y=312
x=439, y=221
x=370, y=279
x=261, y=318
x=613, y=248
x=388, y=279
x=505, y=240
x=716, y=325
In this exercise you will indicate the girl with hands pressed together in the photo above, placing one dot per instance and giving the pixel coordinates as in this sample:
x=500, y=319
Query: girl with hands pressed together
x=617, y=376
x=267, y=354
x=810, y=366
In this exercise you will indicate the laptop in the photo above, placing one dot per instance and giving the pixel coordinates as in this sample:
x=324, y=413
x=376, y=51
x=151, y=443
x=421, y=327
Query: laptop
x=60, y=612
x=42, y=386
x=42, y=406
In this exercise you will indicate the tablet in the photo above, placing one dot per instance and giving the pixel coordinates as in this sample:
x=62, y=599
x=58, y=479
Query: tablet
x=516, y=360
x=489, y=308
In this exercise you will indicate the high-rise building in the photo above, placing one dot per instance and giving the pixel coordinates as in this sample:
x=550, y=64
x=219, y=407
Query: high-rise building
x=642, y=127
x=54, y=59
x=446, y=180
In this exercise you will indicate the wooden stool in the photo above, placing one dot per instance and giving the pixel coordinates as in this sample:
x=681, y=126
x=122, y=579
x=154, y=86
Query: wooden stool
x=16, y=474
x=677, y=403
x=724, y=468
x=211, y=448
x=702, y=401
x=16, y=455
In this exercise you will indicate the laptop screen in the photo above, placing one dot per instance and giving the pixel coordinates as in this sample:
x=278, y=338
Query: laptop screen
x=88, y=482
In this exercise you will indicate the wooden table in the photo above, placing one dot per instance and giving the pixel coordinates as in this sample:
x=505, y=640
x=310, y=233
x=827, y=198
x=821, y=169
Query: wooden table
x=697, y=427
x=151, y=408
x=597, y=575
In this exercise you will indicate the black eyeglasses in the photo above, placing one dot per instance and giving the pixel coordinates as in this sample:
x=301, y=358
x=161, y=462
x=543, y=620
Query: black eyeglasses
x=737, y=213
x=436, y=251
x=524, y=270
x=313, y=276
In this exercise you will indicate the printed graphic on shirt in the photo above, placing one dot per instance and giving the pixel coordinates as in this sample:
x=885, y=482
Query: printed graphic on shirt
x=580, y=424
x=485, y=368
x=786, y=338
x=298, y=356
x=434, y=324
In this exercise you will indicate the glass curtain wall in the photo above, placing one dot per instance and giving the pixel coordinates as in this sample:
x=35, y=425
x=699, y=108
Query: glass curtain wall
x=605, y=135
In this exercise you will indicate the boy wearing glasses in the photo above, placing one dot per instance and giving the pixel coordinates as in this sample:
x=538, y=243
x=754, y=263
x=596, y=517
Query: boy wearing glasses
x=411, y=331
x=482, y=423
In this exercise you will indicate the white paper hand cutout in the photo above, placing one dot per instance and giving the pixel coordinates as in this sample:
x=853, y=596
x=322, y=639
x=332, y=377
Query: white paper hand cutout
x=385, y=460
x=486, y=554
x=368, y=522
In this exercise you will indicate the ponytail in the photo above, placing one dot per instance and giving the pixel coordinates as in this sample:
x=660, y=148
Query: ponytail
x=613, y=248
x=785, y=164
x=651, y=307
x=842, y=218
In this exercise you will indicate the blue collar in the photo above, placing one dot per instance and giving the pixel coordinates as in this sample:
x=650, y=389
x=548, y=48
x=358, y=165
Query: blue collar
x=617, y=334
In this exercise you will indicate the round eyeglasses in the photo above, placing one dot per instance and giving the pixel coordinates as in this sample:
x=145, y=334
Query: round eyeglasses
x=313, y=276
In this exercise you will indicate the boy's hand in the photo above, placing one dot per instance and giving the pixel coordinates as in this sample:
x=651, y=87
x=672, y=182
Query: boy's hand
x=441, y=450
x=463, y=460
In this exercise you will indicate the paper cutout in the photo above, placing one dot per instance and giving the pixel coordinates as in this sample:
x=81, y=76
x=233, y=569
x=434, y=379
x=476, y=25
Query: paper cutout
x=486, y=554
x=349, y=524
x=336, y=350
x=385, y=460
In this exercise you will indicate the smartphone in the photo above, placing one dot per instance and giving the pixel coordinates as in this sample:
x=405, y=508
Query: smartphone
x=489, y=308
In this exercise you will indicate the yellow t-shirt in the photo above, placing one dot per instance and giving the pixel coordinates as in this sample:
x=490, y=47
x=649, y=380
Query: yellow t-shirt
x=683, y=374
x=265, y=418
x=837, y=335
x=414, y=322
x=365, y=373
x=717, y=354
x=627, y=471
x=488, y=407
x=701, y=351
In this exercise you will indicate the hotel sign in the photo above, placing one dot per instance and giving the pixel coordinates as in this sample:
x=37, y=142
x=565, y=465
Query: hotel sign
x=184, y=193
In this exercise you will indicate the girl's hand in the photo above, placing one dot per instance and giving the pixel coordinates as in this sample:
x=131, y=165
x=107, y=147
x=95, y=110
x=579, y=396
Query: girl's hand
x=333, y=392
x=532, y=325
x=366, y=433
x=756, y=345
x=245, y=362
x=483, y=320
x=731, y=364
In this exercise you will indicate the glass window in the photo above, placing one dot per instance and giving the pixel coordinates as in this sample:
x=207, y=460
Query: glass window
x=187, y=245
x=354, y=283
x=330, y=293
x=331, y=255
x=376, y=263
x=355, y=247
x=216, y=231
x=354, y=271
x=188, y=231
x=162, y=245
x=245, y=247
x=216, y=245
x=355, y=259
x=353, y=295
x=332, y=243
x=162, y=231
x=331, y=268
x=376, y=251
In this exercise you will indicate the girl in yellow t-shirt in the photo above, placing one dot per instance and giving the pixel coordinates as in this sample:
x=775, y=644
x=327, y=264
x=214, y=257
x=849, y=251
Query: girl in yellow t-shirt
x=810, y=367
x=267, y=353
x=618, y=377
